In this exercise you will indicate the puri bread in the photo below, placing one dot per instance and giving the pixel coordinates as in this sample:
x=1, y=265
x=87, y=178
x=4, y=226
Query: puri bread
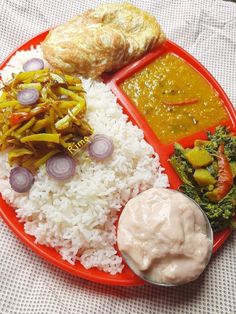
x=102, y=40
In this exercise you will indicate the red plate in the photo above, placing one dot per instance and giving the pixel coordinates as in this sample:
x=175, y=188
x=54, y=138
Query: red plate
x=127, y=278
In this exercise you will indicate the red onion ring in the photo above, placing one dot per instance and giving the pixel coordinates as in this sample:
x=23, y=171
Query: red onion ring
x=33, y=64
x=28, y=96
x=60, y=166
x=21, y=179
x=101, y=147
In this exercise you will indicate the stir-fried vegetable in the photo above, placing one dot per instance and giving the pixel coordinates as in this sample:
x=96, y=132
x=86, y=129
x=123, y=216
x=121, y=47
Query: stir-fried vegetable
x=41, y=113
x=208, y=174
x=220, y=214
x=18, y=152
x=198, y=157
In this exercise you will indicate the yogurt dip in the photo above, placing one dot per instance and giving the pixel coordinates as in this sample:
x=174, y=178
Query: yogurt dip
x=163, y=235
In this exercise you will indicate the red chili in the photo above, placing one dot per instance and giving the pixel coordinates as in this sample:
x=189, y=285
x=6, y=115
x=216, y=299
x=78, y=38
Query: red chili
x=182, y=103
x=18, y=117
x=225, y=176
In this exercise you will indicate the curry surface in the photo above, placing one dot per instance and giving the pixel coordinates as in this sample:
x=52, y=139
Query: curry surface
x=159, y=91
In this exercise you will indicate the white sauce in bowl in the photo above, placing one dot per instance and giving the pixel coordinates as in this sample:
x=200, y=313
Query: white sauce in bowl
x=164, y=236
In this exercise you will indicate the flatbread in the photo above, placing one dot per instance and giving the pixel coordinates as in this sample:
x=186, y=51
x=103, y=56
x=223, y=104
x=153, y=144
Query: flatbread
x=102, y=40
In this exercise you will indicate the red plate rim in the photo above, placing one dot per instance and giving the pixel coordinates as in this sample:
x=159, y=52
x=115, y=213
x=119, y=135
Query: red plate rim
x=127, y=278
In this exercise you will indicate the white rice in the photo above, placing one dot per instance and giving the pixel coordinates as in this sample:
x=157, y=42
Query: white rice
x=17, y=61
x=77, y=217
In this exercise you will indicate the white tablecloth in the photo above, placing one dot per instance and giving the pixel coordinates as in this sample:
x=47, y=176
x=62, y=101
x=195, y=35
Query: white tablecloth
x=28, y=284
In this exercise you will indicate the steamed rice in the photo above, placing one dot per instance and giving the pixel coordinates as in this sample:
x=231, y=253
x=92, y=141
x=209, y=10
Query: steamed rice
x=77, y=217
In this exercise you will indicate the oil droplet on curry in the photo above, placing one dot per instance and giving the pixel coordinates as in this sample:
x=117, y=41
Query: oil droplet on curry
x=174, y=98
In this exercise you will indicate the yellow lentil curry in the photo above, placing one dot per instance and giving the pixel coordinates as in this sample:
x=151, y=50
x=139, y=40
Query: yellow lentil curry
x=174, y=98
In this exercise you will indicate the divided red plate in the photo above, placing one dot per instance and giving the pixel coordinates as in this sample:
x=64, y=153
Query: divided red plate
x=127, y=278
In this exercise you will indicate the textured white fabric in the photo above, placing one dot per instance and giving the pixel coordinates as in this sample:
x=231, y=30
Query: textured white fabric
x=28, y=284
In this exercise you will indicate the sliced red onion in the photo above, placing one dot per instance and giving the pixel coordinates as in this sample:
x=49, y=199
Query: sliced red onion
x=61, y=166
x=63, y=97
x=21, y=179
x=101, y=147
x=33, y=64
x=28, y=96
